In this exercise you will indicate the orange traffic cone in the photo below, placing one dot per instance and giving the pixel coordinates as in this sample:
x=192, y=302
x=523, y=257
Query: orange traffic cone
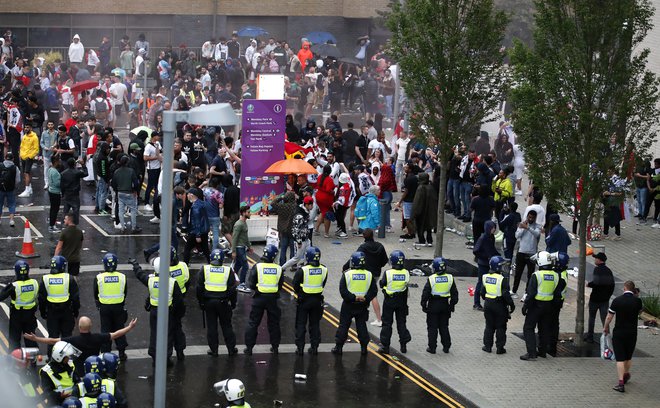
x=28, y=248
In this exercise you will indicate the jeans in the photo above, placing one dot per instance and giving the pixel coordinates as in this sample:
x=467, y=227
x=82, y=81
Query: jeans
x=10, y=196
x=128, y=200
x=595, y=307
x=454, y=194
x=286, y=242
x=152, y=184
x=101, y=194
x=642, y=197
x=240, y=263
x=387, y=200
x=388, y=106
x=214, y=223
x=299, y=257
x=466, y=192
x=399, y=170
x=46, y=166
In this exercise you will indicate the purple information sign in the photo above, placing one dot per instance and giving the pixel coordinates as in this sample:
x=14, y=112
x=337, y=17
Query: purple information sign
x=262, y=144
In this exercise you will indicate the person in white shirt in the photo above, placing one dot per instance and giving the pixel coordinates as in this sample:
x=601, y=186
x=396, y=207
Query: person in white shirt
x=139, y=60
x=379, y=143
x=221, y=50
x=76, y=50
x=400, y=148
x=92, y=60
x=208, y=49
x=372, y=133
x=118, y=95
x=153, y=158
x=249, y=51
x=537, y=197
x=205, y=78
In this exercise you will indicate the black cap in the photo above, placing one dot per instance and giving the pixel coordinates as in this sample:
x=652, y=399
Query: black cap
x=555, y=218
x=601, y=256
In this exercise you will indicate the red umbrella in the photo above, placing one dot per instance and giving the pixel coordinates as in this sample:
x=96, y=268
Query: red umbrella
x=84, y=86
x=290, y=166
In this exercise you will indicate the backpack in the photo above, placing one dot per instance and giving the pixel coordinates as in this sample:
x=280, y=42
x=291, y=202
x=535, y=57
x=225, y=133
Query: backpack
x=7, y=177
x=361, y=208
x=101, y=110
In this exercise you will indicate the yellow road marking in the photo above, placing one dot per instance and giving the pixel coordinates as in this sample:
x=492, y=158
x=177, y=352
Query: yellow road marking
x=4, y=341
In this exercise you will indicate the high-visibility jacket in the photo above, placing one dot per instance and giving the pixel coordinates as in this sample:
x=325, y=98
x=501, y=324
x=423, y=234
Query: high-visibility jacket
x=441, y=284
x=313, y=278
x=546, y=283
x=112, y=287
x=358, y=281
x=216, y=277
x=152, y=284
x=57, y=287
x=25, y=294
x=268, y=277
x=564, y=275
x=181, y=274
x=396, y=281
x=493, y=284
x=63, y=381
x=107, y=385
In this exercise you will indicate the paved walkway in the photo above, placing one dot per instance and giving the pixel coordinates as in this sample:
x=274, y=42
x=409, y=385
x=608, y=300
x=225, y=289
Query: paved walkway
x=490, y=380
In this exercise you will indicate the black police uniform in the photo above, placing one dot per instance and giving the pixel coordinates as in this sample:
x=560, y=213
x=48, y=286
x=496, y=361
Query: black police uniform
x=539, y=313
x=309, y=309
x=60, y=317
x=218, y=307
x=263, y=302
x=352, y=309
x=557, y=305
x=438, y=311
x=177, y=302
x=395, y=304
x=21, y=320
x=496, y=312
x=113, y=317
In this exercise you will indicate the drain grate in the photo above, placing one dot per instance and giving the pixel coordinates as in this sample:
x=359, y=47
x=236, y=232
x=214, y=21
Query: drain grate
x=567, y=347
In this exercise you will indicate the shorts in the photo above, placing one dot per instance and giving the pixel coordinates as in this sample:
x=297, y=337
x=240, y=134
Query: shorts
x=26, y=165
x=624, y=345
x=407, y=210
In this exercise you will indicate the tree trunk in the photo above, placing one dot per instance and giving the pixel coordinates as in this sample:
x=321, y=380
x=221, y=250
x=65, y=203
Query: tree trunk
x=440, y=226
x=583, y=217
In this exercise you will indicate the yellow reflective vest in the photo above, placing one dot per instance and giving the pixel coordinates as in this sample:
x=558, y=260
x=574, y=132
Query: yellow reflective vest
x=25, y=294
x=268, y=277
x=546, y=283
x=215, y=278
x=112, y=287
x=181, y=274
x=57, y=287
x=396, y=281
x=152, y=284
x=358, y=281
x=313, y=278
x=441, y=284
x=63, y=382
x=493, y=284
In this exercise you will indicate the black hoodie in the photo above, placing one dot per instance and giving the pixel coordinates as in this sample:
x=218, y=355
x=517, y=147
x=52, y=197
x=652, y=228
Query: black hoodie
x=375, y=257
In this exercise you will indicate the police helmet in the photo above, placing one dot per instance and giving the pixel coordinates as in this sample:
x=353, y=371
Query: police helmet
x=105, y=400
x=544, y=259
x=270, y=252
x=313, y=256
x=93, y=364
x=110, y=262
x=232, y=389
x=58, y=264
x=110, y=365
x=439, y=265
x=217, y=257
x=357, y=259
x=92, y=383
x=22, y=269
x=497, y=263
x=562, y=260
x=156, y=265
x=61, y=350
x=71, y=402
x=397, y=259
x=174, y=257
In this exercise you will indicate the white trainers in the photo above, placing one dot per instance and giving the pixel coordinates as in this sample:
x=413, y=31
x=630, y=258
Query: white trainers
x=118, y=226
x=514, y=295
x=11, y=223
x=25, y=193
x=342, y=234
x=656, y=225
x=377, y=323
x=155, y=220
x=46, y=187
x=148, y=208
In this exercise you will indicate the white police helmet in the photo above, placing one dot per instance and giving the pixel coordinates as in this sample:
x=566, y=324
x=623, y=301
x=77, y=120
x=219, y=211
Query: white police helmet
x=544, y=258
x=232, y=389
x=156, y=265
x=62, y=349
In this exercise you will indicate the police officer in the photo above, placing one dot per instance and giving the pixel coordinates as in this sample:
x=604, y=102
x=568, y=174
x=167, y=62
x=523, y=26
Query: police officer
x=58, y=376
x=234, y=392
x=561, y=260
x=97, y=365
x=22, y=313
x=498, y=305
x=216, y=294
x=106, y=400
x=110, y=294
x=92, y=387
x=309, y=283
x=175, y=300
x=543, y=289
x=59, y=299
x=179, y=271
x=71, y=402
x=357, y=288
x=265, y=279
x=394, y=284
x=439, y=297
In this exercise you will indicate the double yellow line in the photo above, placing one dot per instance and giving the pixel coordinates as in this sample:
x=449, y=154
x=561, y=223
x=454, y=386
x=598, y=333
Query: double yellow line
x=394, y=363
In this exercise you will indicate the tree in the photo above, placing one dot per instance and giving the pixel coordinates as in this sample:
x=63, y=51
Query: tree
x=583, y=100
x=451, y=62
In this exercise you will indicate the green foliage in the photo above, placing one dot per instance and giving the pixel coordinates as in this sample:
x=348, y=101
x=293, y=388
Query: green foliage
x=651, y=304
x=451, y=64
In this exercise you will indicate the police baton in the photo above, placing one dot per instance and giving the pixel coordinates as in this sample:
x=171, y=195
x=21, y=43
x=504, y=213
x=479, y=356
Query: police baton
x=203, y=319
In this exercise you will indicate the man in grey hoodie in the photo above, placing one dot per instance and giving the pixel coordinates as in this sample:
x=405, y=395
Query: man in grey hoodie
x=10, y=177
x=528, y=234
